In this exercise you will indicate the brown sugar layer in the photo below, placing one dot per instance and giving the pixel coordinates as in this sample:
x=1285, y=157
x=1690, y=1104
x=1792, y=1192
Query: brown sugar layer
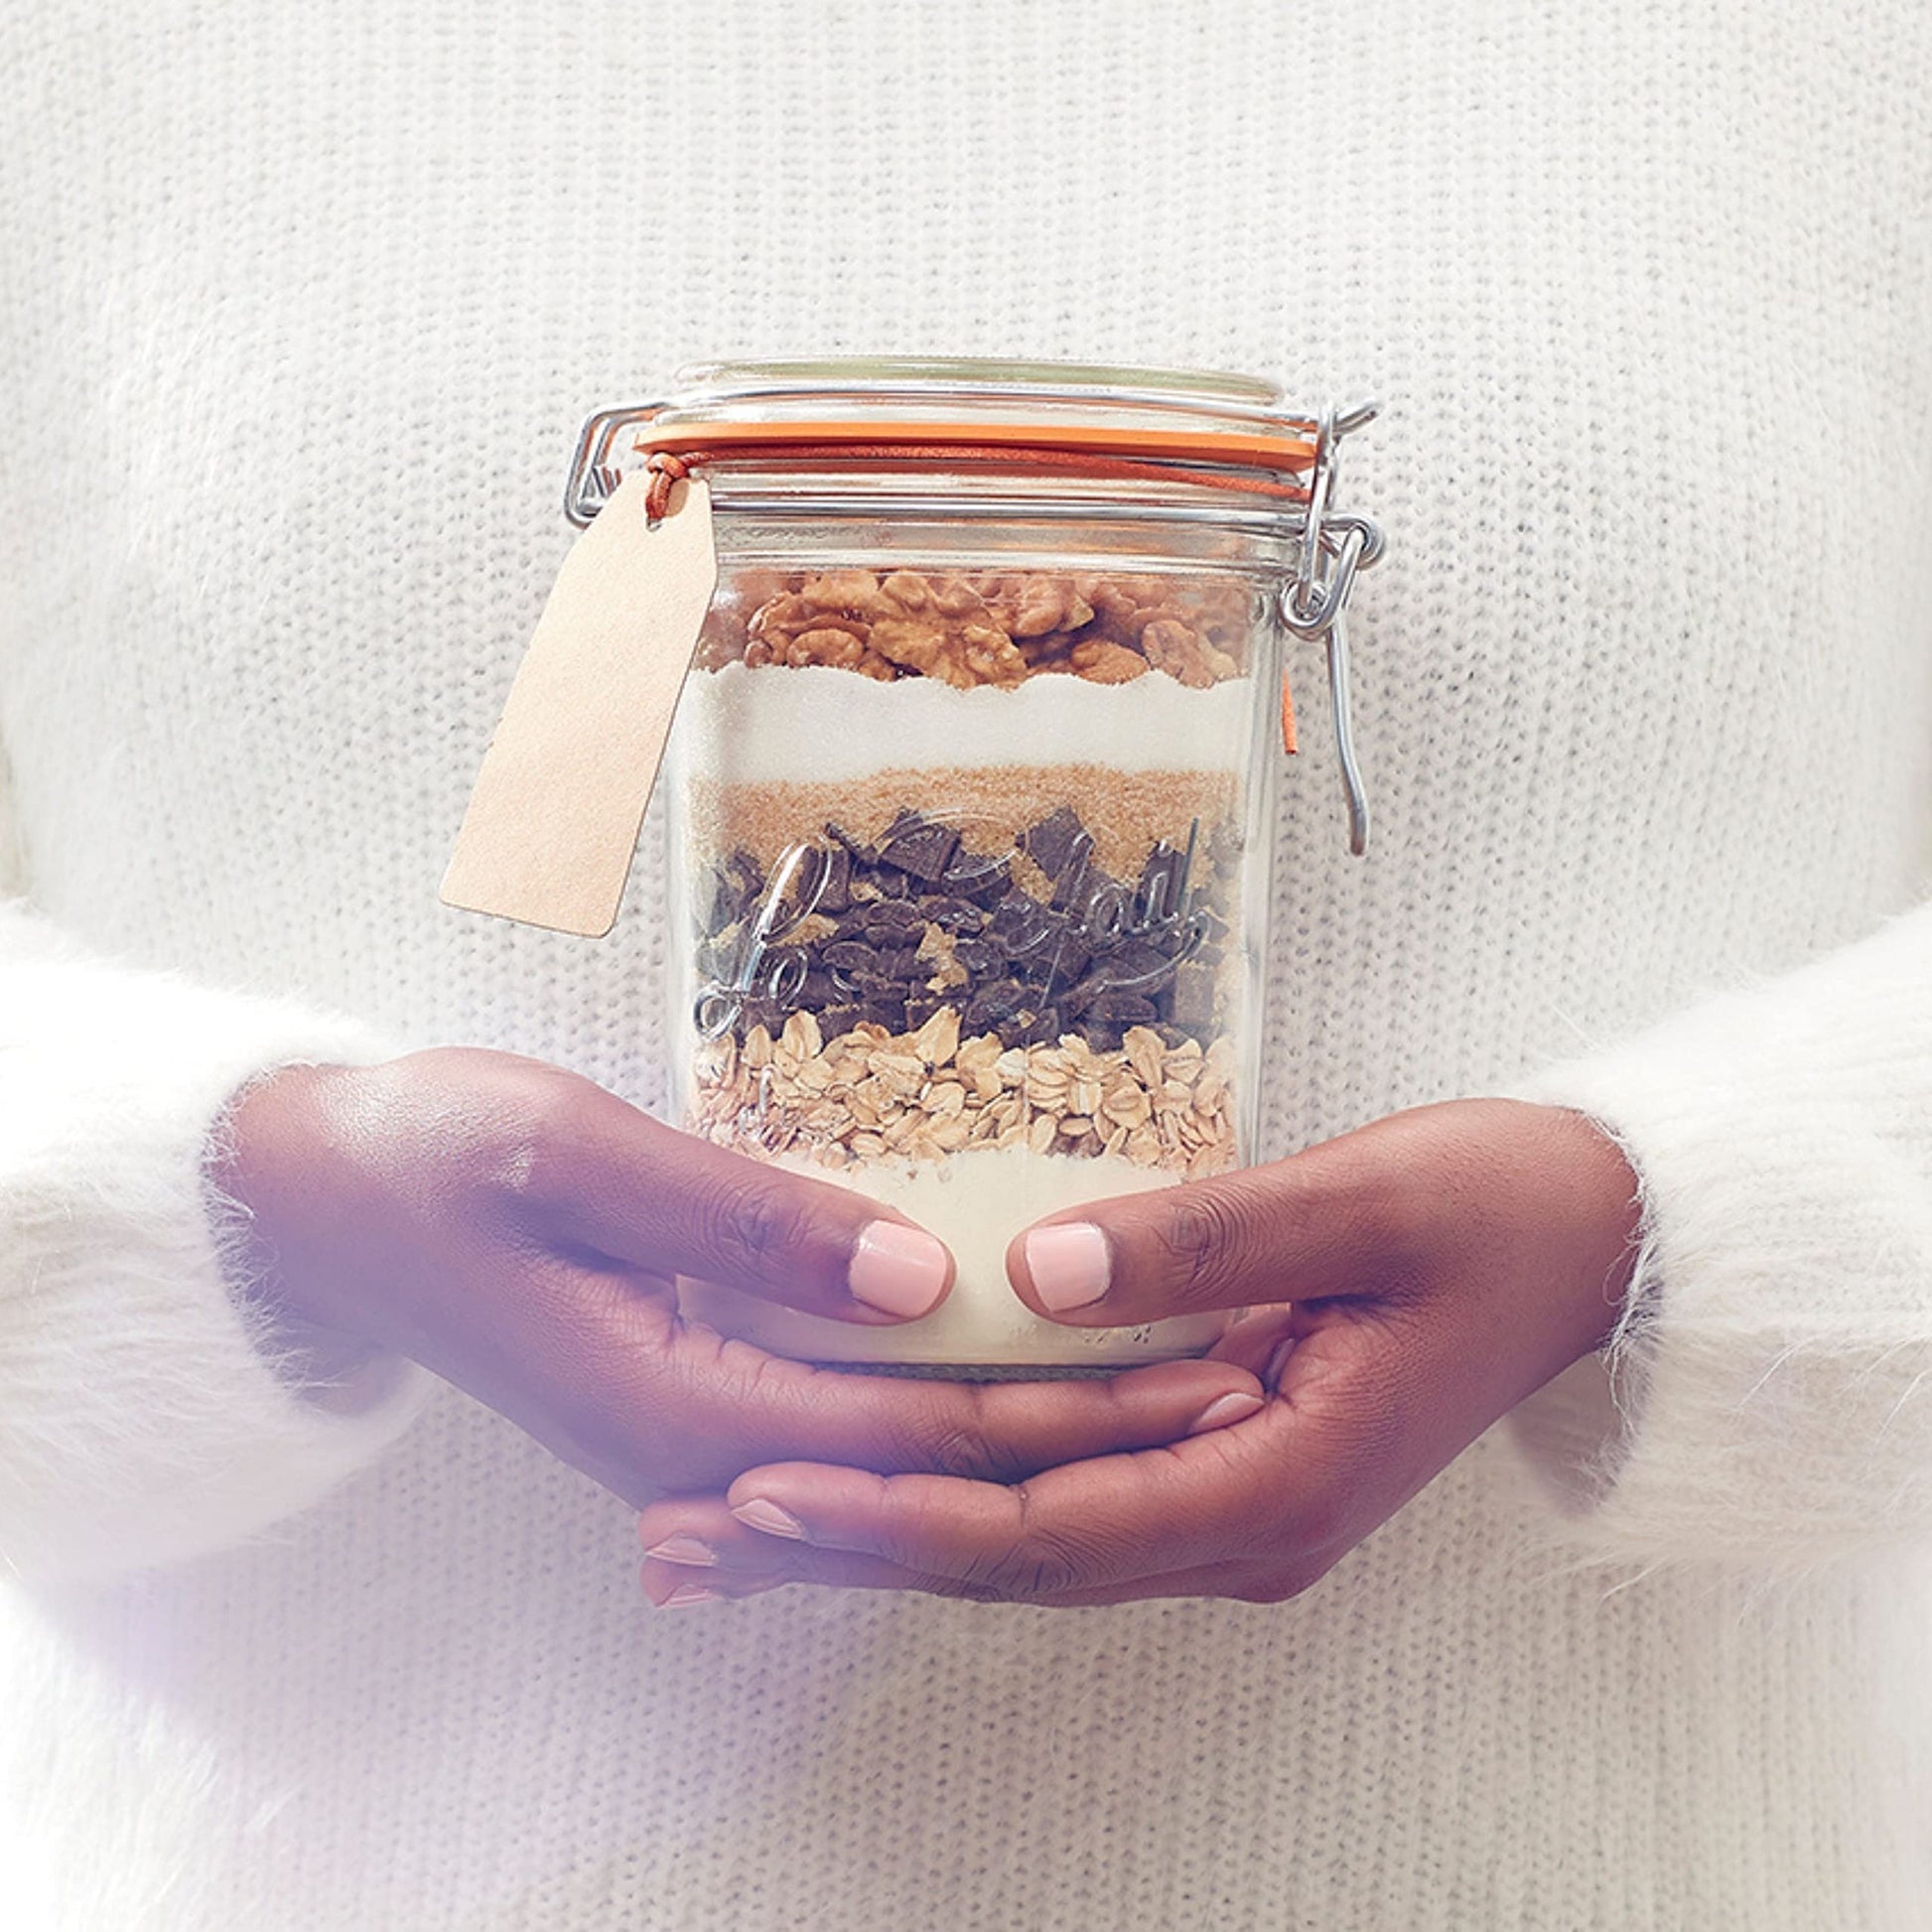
x=1126, y=814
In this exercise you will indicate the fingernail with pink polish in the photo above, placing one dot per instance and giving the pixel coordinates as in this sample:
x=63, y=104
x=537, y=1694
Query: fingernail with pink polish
x=898, y=1269
x=683, y=1549
x=1236, y=1406
x=1070, y=1264
x=1271, y=1375
x=761, y=1513
x=686, y=1595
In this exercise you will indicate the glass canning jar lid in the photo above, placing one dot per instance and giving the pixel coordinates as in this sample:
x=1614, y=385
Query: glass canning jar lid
x=983, y=438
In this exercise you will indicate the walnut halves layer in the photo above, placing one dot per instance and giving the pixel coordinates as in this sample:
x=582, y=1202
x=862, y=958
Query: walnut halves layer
x=990, y=629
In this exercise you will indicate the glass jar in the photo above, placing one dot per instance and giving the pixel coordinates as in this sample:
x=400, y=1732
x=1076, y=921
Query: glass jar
x=970, y=795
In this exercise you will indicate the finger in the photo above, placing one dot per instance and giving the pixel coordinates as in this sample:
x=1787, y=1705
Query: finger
x=1310, y=1226
x=676, y=1586
x=696, y=1549
x=698, y=1539
x=740, y=1563
x=643, y=1193
x=606, y=1373
x=668, y=1588
x=1111, y=1521
x=744, y=1409
x=1259, y=1341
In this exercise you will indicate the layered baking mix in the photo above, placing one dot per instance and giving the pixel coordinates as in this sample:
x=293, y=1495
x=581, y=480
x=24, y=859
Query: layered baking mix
x=963, y=858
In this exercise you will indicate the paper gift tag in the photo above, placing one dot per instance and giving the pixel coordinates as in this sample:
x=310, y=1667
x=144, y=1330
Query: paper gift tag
x=553, y=821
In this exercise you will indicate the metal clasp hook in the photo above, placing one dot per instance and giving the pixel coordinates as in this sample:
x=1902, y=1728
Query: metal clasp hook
x=1334, y=547
x=594, y=478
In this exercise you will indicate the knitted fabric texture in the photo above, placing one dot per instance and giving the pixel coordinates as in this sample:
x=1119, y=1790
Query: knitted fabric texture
x=300, y=310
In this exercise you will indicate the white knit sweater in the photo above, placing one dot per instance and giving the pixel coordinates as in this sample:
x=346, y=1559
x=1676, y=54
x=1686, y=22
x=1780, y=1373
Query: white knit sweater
x=302, y=306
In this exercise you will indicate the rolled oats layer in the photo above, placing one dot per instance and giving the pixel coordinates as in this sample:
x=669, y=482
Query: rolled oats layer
x=871, y=1097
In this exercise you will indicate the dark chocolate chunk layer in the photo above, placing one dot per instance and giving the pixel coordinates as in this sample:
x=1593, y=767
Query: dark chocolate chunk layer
x=892, y=933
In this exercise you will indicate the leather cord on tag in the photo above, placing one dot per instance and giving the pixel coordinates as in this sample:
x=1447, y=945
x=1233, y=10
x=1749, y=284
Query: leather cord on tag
x=665, y=470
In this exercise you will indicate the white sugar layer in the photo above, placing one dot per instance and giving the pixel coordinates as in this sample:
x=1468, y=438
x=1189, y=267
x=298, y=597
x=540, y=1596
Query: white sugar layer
x=975, y=1202
x=773, y=725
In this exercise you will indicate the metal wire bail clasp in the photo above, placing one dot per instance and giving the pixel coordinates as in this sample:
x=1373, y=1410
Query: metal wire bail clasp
x=595, y=471
x=1334, y=547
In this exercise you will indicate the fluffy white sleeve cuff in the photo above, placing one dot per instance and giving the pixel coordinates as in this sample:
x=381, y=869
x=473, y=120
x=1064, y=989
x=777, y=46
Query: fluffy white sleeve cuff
x=1768, y=1399
x=143, y=1414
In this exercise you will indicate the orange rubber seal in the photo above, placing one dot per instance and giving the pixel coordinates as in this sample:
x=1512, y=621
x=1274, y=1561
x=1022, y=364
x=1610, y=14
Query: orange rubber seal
x=1142, y=456
x=1256, y=451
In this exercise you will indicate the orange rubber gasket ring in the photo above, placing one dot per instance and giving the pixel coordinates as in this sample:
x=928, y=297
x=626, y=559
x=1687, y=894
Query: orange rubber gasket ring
x=1135, y=454
x=668, y=465
x=1257, y=452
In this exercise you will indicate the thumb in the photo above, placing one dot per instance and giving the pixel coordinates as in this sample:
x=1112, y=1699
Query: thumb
x=674, y=1204
x=1298, y=1228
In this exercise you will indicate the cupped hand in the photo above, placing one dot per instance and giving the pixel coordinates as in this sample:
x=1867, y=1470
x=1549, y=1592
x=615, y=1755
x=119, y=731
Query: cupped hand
x=1420, y=1278
x=520, y=1231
